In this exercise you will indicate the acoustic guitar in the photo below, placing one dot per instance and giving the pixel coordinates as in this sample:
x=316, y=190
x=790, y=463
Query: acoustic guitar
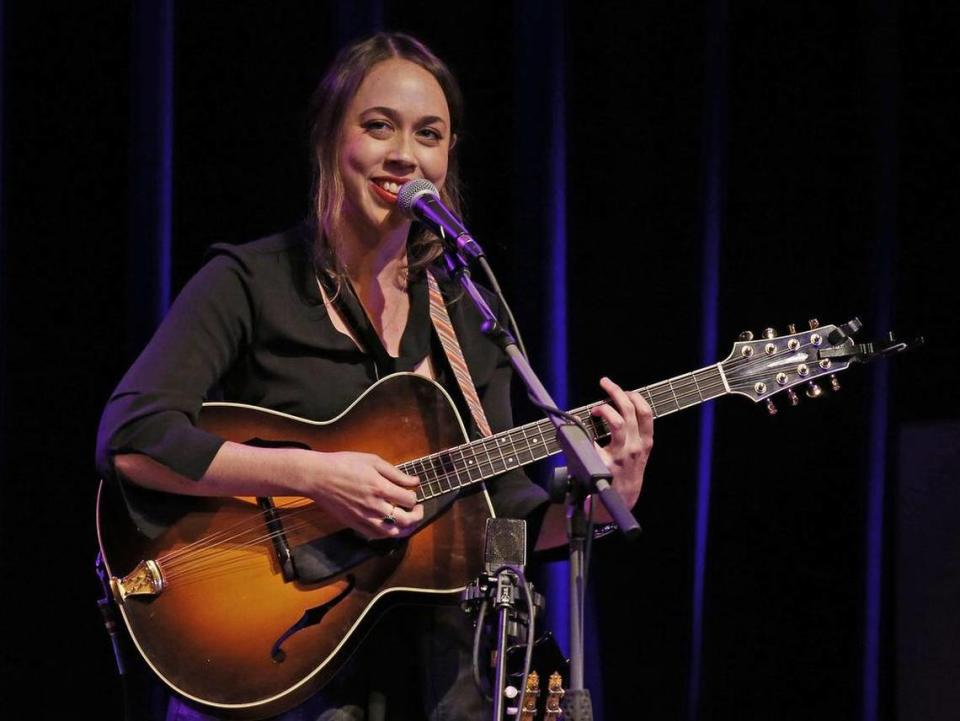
x=248, y=606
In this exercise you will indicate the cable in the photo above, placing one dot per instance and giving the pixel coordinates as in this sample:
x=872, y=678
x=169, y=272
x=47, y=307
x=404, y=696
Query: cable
x=495, y=287
x=476, y=651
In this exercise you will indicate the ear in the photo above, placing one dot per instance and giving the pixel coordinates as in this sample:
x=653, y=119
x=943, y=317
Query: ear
x=453, y=141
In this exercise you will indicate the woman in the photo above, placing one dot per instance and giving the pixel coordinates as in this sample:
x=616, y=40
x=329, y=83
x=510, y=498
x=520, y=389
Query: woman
x=264, y=323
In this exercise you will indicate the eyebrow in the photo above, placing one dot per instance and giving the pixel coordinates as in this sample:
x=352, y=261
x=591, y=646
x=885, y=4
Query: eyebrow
x=395, y=116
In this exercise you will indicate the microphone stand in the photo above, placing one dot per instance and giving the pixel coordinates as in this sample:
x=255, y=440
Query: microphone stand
x=588, y=474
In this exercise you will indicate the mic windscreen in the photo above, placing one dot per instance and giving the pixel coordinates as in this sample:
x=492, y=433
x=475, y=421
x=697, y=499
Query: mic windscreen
x=409, y=192
x=505, y=543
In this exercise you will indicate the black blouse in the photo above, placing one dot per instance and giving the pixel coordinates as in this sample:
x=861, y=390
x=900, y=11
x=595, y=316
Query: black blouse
x=251, y=327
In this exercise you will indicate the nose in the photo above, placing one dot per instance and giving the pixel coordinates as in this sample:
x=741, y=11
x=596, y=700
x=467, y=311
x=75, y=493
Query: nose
x=401, y=152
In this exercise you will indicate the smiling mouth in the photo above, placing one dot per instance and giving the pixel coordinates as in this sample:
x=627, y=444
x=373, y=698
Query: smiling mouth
x=386, y=189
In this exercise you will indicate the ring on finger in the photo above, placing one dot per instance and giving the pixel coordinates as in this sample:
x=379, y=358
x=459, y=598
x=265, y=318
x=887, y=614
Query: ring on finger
x=390, y=519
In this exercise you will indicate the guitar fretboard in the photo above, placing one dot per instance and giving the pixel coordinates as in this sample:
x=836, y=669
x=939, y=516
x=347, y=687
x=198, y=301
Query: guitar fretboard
x=470, y=463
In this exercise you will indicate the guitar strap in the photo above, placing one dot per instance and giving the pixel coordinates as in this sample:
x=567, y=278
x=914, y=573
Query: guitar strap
x=347, y=302
x=451, y=347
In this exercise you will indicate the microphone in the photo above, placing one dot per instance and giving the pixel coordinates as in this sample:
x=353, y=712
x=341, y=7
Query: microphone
x=420, y=200
x=504, y=544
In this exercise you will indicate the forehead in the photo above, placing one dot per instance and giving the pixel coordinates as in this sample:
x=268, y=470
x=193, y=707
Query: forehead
x=403, y=86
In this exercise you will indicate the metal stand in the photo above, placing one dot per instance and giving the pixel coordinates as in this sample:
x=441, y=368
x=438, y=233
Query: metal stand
x=589, y=475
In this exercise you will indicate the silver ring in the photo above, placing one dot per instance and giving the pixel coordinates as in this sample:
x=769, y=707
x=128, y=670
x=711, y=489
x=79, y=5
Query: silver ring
x=389, y=519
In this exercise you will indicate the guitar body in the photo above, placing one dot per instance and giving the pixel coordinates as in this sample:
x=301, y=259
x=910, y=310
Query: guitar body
x=212, y=631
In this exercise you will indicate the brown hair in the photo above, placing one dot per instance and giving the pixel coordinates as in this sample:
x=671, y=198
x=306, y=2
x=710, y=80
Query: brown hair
x=329, y=105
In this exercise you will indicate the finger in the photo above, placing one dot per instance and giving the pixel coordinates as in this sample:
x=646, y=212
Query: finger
x=614, y=421
x=393, y=494
x=376, y=527
x=395, y=475
x=621, y=400
x=405, y=519
x=644, y=414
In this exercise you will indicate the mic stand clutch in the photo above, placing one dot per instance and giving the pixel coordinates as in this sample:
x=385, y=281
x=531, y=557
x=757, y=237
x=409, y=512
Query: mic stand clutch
x=589, y=474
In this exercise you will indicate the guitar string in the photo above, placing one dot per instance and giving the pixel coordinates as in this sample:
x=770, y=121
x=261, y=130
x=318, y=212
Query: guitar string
x=491, y=442
x=213, y=557
x=219, y=534
x=246, y=525
x=239, y=540
x=738, y=364
x=202, y=558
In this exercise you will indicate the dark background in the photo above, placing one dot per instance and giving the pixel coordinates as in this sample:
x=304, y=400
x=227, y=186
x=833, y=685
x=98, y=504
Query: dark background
x=830, y=130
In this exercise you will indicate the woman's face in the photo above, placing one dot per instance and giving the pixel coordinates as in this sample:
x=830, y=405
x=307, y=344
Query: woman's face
x=396, y=129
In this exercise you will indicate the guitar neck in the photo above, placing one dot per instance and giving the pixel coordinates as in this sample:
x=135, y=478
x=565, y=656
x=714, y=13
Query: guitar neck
x=455, y=468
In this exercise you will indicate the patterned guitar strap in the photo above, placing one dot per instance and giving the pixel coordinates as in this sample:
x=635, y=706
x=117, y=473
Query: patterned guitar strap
x=352, y=311
x=451, y=348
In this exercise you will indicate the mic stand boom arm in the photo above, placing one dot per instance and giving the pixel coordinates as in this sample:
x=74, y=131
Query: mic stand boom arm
x=588, y=474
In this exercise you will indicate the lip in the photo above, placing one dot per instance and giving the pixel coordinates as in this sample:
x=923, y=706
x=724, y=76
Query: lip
x=385, y=195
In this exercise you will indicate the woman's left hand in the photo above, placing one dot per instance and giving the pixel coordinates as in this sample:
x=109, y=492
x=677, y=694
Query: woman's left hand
x=630, y=420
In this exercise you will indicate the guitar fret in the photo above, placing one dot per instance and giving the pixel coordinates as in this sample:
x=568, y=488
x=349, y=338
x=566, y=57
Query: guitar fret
x=699, y=392
x=443, y=462
x=532, y=440
x=681, y=390
x=426, y=482
x=510, y=444
x=436, y=481
x=470, y=466
x=449, y=465
x=539, y=445
x=497, y=447
x=711, y=382
x=648, y=396
x=524, y=452
x=688, y=390
x=674, y=392
x=474, y=473
x=486, y=457
x=662, y=407
x=509, y=459
x=430, y=473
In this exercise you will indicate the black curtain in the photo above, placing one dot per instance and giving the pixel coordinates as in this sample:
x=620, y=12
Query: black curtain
x=840, y=176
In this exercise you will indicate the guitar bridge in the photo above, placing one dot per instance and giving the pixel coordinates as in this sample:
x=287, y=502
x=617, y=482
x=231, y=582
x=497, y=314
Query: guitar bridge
x=144, y=580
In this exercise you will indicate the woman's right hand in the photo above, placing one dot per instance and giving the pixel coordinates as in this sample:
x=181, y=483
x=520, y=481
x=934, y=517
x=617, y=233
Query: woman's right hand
x=361, y=490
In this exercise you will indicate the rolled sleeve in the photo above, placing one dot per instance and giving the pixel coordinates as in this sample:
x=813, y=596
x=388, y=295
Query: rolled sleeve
x=155, y=407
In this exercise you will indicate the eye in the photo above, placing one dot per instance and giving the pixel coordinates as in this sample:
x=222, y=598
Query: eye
x=431, y=135
x=378, y=128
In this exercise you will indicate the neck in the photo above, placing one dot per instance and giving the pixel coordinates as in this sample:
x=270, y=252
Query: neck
x=373, y=259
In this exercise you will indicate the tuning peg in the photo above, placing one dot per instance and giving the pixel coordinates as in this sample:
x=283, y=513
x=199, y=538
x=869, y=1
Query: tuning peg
x=839, y=335
x=834, y=382
x=769, y=333
x=814, y=324
x=771, y=407
x=794, y=398
x=792, y=328
x=813, y=390
x=745, y=336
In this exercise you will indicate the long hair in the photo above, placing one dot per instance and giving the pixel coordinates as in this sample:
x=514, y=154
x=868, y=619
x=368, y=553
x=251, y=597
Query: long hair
x=328, y=107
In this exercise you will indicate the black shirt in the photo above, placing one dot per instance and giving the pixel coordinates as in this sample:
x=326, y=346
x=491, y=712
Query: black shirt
x=251, y=327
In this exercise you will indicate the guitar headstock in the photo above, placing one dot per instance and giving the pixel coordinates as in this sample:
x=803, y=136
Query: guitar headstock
x=762, y=367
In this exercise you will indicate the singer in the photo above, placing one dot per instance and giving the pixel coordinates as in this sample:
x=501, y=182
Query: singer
x=304, y=322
